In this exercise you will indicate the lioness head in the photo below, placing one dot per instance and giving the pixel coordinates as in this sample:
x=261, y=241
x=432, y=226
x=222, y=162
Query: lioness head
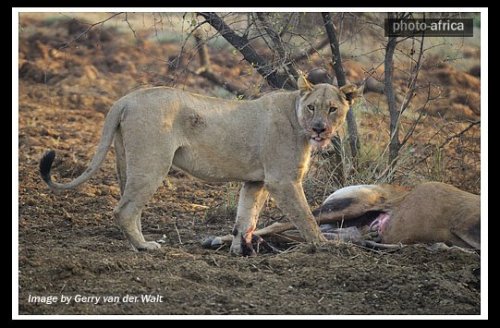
x=322, y=109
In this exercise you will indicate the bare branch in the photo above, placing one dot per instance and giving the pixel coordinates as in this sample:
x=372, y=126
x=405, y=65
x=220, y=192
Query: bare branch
x=184, y=43
x=261, y=34
x=276, y=39
x=206, y=69
x=241, y=43
x=395, y=113
x=212, y=77
x=202, y=48
x=286, y=25
x=413, y=80
x=129, y=25
x=450, y=138
x=459, y=134
x=421, y=114
x=412, y=129
x=308, y=52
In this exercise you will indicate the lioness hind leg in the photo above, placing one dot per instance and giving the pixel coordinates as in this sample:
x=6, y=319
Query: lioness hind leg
x=143, y=179
x=121, y=164
x=252, y=198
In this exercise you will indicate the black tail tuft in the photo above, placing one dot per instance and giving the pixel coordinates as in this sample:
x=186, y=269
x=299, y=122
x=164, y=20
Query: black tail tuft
x=46, y=165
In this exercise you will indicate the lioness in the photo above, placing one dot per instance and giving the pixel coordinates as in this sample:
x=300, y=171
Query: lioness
x=264, y=143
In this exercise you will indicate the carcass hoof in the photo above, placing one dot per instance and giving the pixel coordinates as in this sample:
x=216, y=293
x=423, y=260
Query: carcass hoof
x=211, y=242
x=147, y=246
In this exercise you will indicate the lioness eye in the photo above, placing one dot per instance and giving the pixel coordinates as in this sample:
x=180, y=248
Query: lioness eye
x=310, y=107
x=332, y=110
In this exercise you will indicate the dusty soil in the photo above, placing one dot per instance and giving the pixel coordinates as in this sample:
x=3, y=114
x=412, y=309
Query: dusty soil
x=69, y=244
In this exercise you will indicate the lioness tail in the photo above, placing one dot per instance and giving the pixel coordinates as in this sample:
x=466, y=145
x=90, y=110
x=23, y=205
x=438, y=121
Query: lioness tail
x=110, y=125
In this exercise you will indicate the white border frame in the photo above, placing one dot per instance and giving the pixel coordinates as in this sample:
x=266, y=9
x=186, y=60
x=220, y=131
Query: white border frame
x=484, y=161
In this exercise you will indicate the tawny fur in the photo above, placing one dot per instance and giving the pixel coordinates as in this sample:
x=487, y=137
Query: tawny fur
x=436, y=212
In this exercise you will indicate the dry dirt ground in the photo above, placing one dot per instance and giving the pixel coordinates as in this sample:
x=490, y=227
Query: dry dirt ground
x=69, y=244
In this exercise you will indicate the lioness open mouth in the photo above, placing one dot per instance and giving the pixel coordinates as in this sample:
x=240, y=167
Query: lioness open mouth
x=319, y=142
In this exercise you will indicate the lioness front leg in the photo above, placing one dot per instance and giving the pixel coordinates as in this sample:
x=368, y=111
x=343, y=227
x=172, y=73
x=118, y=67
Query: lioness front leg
x=252, y=198
x=290, y=198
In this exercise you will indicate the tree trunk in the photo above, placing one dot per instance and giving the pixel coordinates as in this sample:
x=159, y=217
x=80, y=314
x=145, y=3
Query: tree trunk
x=352, y=127
x=394, y=144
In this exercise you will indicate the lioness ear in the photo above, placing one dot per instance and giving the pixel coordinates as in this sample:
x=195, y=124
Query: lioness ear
x=303, y=85
x=351, y=92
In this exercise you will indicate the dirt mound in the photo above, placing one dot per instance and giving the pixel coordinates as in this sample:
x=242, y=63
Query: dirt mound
x=450, y=76
x=459, y=96
x=81, y=66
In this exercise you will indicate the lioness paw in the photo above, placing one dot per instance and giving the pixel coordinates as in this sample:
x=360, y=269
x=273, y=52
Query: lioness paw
x=148, y=246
